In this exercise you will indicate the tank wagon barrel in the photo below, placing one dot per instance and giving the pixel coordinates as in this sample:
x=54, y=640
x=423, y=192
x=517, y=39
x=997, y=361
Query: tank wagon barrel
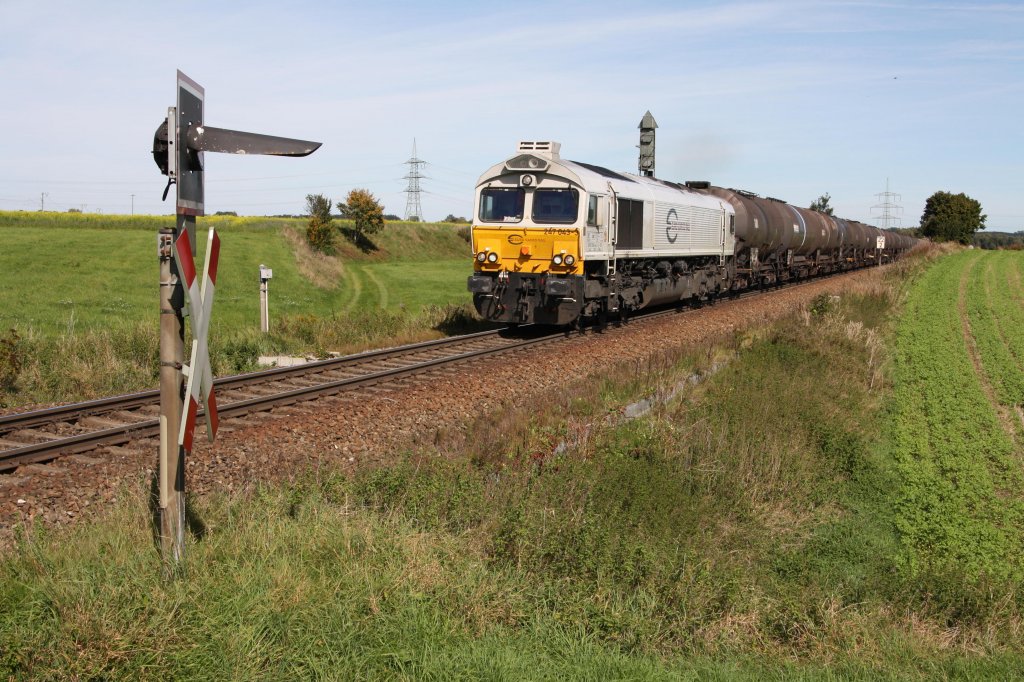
x=555, y=241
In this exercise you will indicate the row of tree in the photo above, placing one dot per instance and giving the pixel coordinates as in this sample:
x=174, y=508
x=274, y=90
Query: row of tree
x=947, y=217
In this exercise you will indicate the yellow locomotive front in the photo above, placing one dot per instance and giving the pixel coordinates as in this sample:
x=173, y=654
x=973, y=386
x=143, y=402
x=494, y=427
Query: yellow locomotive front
x=527, y=258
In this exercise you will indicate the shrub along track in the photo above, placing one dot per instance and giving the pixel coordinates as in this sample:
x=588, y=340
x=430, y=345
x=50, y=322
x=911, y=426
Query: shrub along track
x=358, y=429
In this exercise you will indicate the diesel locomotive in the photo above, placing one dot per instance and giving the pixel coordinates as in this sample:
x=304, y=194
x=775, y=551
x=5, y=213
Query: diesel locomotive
x=557, y=241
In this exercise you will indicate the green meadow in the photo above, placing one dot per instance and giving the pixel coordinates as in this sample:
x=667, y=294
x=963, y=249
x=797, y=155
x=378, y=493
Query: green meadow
x=60, y=271
x=80, y=296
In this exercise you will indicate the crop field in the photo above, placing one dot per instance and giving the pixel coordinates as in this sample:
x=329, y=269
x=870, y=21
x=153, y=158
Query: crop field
x=956, y=421
x=995, y=300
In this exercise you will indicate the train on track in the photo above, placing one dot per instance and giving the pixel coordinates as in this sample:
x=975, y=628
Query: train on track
x=557, y=241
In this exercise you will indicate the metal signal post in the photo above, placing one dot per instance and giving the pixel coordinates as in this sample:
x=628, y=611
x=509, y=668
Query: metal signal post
x=178, y=148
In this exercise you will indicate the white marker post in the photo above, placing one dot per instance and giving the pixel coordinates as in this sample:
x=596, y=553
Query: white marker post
x=265, y=275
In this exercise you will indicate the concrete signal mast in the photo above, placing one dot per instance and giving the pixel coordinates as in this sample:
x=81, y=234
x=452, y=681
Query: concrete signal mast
x=891, y=211
x=413, y=210
x=179, y=145
x=646, y=163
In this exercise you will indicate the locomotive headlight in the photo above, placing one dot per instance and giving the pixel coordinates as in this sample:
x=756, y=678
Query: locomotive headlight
x=492, y=257
x=481, y=257
x=570, y=259
x=557, y=260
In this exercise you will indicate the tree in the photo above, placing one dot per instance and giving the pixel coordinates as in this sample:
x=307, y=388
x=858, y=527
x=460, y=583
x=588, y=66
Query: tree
x=821, y=204
x=319, y=234
x=363, y=209
x=951, y=217
x=452, y=218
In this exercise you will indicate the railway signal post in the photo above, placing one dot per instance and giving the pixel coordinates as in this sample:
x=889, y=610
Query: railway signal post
x=178, y=148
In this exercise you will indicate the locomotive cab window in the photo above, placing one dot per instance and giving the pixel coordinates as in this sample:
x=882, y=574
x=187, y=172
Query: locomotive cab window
x=502, y=204
x=555, y=205
x=592, y=210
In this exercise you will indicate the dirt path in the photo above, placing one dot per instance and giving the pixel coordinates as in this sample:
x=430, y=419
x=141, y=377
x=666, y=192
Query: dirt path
x=354, y=284
x=382, y=289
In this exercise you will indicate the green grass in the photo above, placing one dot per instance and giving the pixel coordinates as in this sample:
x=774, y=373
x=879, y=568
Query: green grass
x=61, y=274
x=958, y=503
x=997, y=323
x=746, y=529
x=80, y=310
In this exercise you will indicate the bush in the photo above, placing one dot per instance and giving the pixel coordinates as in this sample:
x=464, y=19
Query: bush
x=364, y=210
x=320, y=235
x=10, y=360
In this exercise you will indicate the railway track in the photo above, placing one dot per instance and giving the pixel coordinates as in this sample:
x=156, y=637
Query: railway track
x=44, y=435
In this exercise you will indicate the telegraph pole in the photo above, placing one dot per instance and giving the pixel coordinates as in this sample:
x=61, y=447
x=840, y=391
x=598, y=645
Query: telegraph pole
x=42, y=200
x=172, y=359
x=133, y=204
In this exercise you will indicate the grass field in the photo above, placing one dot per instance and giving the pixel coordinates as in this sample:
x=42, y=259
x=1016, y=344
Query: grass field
x=60, y=271
x=839, y=500
x=80, y=310
x=960, y=503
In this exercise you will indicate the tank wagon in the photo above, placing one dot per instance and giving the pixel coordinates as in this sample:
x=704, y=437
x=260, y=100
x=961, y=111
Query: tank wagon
x=555, y=241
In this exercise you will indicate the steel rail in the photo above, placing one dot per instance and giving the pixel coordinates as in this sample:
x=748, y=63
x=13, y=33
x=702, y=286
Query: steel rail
x=130, y=401
x=65, y=445
x=61, y=446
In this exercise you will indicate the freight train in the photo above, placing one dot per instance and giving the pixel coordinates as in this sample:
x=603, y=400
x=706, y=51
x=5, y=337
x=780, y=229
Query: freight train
x=557, y=241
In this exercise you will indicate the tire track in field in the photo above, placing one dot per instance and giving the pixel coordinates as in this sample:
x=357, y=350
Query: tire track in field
x=1010, y=425
x=1013, y=281
x=382, y=288
x=997, y=321
x=355, y=286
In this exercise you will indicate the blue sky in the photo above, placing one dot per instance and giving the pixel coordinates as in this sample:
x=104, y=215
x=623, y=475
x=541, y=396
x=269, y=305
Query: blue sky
x=788, y=99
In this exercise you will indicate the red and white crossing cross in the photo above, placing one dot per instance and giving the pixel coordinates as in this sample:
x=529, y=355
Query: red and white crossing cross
x=200, y=305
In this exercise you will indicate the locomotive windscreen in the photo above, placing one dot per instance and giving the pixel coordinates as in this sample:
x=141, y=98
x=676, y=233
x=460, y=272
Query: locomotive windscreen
x=502, y=204
x=556, y=205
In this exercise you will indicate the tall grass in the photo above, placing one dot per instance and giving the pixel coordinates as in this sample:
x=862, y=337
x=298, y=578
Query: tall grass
x=81, y=364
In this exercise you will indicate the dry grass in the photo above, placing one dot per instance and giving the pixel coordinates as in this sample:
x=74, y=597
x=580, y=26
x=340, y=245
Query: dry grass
x=321, y=270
